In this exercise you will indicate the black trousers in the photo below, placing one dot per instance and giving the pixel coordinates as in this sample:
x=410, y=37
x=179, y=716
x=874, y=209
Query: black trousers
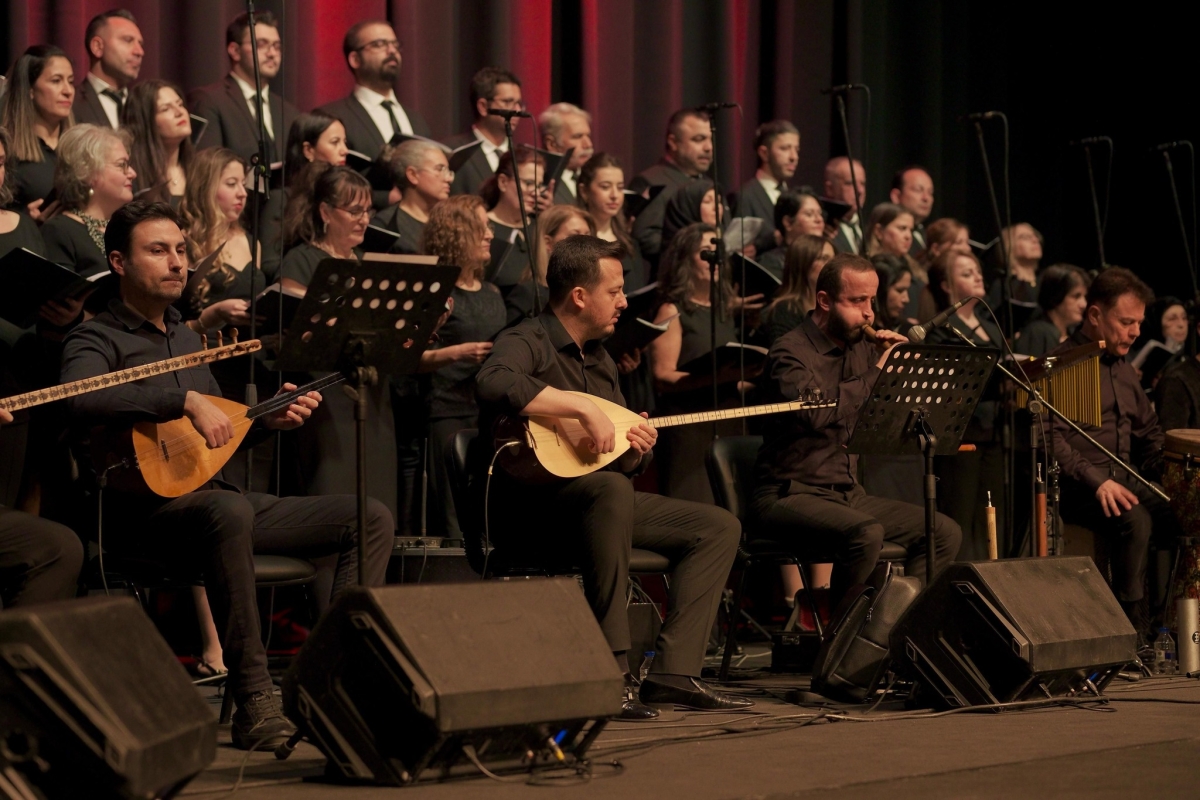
x=595, y=520
x=443, y=517
x=215, y=534
x=1128, y=535
x=850, y=527
x=39, y=560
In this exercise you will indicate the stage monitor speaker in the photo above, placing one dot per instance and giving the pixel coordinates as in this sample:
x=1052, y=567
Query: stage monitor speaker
x=405, y=680
x=93, y=703
x=1022, y=629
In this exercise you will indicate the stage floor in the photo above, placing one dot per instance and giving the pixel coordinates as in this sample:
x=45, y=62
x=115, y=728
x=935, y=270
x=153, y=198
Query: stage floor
x=1145, y=741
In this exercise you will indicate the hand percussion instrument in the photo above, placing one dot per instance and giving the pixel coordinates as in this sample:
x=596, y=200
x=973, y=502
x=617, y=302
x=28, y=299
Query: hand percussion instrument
x=1181, y=476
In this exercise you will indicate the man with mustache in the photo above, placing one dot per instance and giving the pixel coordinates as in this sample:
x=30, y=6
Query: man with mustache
x=230, y=105
x=114, y=47
x=491, y=88
x=687, y=155
x=1095, y=494
x=777, y=145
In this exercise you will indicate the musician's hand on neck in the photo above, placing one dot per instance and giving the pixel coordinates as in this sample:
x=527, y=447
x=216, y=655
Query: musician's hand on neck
x=209, y=421
x=294, y=415
x=642, y=438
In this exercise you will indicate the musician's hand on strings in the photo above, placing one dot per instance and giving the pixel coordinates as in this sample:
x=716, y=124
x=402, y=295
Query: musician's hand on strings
x=599, y=429
x=208, y=420
x=61, y=313
x=1115, y=499
x=294, y=415
x=642, y=437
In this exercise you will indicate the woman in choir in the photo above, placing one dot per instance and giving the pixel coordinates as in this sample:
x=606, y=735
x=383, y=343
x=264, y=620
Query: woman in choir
x=693, y=203
x=93, y=178
x=16, y=230
x=601, y=187
x=1161, y=343
x=806, y=255
x=554, y=225
x=1062, y=299
x=422, y=175
x=944, y=234
x=161, y=149
x=331, y=224
x=459, y=235
x=499, y=194
x=36, y=113
x=315, y=136
x=1023, y=246
x=796, y=214
x=685, y=302
x=895, y=283
x=889, y=230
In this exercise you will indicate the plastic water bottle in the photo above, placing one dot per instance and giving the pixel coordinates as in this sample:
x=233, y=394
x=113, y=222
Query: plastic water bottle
x=648, y=659
x=1165, y=662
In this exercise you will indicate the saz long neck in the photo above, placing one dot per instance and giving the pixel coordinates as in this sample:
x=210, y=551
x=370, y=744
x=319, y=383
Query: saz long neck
x=736, y=413
x=284, y=400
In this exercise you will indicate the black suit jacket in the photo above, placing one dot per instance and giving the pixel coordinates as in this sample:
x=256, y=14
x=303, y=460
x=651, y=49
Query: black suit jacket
x=361, y=133
x=471, y=177
x=563, y=196
x=230, y=123
x=647, y=228
x=87, y=106
x=753, y=201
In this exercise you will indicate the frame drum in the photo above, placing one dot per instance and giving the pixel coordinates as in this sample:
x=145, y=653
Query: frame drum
x=1181, y=476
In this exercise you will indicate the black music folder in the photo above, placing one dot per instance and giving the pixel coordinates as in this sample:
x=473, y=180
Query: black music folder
x=31, y=281
x=379, y=240
x=758, y=279
x=635, y=203
x=729, y=356
x=268, y=305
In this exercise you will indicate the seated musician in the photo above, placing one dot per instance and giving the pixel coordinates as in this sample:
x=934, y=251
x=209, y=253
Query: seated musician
x=808, y=492
x=215, y=529
x=1096, y=493
x=595, y=519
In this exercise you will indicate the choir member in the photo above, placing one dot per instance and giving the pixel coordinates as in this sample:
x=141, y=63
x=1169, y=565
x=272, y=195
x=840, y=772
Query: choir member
x=16, y=230
x=1023, y=246
x=777, y=146
x=491, y=87
x=687, y=154
x=944, y=234
x=93, y=177
x=499, y=194
x=458, y=234
x=851, y=190
x=37, y=112
x=912, y=188
x=695, y=201
x=331, y=224
x=806, y=256
x=1177, y=393
x=889, y=230
x=601, y=188
x=797, y=213
x=314, y=136
x=230, y=105
x=967, y=477
x=565, y=126
x=684, y=288
x=1062, y=299
x=423, y=176
x=895, y=283
x=160, y=131
x=554, y=225
x=1165, y=329
x=115, y=51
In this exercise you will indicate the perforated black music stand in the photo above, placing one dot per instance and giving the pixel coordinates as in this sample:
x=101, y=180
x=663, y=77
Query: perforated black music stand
x=361, y=319
x=921, y=404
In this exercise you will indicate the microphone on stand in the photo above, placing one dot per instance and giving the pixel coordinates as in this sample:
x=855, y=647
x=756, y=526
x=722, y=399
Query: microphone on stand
x=843, y=88
x=1165, y=146
x=1090, y=140
x=917, y=333
x=505, y=113
x=711, y=107
x=979, y=116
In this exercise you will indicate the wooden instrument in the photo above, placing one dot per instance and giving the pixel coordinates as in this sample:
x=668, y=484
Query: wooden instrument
x=1069, y=381
x=561, y=446
x=172, y=458
x=108, y=380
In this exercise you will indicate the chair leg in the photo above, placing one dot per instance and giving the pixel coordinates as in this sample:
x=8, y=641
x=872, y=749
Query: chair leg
x=226, y=705
x=812, y=600
x=731, y=636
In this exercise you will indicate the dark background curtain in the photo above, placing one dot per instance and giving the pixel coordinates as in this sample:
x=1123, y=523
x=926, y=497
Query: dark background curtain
x=631, y=62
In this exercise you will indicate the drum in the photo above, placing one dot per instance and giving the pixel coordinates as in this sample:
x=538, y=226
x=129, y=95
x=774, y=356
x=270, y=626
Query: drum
x=1185, y=580
x=1181, y=476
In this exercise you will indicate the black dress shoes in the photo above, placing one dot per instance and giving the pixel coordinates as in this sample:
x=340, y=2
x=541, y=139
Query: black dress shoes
x=690, y=693
x=632, y=709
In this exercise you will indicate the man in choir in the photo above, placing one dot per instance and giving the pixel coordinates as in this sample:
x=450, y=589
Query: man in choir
x=230, y=105
x=777, y=145
x=808, y=490
x=423, y=176
x=912, y=188
x=841, y=186
x=491, y=87
x=565, y=125
x=1095, y=493
x=541, y=366
x=215, y=530
x=371, y=113
x=687, y=155
x=115, y=51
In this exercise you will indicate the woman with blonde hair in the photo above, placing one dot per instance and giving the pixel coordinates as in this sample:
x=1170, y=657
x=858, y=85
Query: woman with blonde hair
x=554, y=225
x=36, y=113
x=459, y=235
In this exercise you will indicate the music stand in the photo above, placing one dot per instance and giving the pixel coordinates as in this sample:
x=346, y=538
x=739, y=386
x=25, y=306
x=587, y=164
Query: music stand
x=921, y=404
x=361, y=319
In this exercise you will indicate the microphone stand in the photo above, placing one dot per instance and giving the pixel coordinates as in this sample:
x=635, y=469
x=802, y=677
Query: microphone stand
x=261, y=170
x=1187, y=247
x=1101, y=223
x=715, y=263
x=841, y=104
x=507, y=116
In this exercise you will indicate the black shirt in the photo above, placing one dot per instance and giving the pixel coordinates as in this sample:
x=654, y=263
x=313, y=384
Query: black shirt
x=69, y=244
x=810, y=446
x=25, y=235
x=1177, y=396
x=478, y=316
x=300, y=263
x=33, y=180
x=397, y=220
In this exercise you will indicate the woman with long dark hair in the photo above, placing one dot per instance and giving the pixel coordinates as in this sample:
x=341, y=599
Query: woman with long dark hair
x=499, y=194
x=1062, y=299
x=895, y=284
x=160, y=130
x=16, y=230
x=40, y=90
x=315, y=136
x=601, y=187
x=806, y=255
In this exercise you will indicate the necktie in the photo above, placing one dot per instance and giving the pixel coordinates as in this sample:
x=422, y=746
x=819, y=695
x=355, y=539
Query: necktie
x=116, y=97
x=390, y=105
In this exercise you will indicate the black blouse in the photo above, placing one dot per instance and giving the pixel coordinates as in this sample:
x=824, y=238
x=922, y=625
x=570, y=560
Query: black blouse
x=300, y=263
x=69, y=244
x=33, y=180
x=25, y=235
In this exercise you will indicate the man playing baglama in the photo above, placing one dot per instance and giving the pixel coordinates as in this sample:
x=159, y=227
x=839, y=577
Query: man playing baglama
x=595, y=520
x=808, y=490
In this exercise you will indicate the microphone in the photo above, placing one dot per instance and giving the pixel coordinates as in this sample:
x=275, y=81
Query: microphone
x=1089, y=140
x=841, y=89
x=979, y=116
x=509, y=114
x=710, y=107
x=917, y=333
x=1162, y=148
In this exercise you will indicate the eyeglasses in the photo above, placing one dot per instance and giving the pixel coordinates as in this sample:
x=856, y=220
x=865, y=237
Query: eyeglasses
x=441, y=170
x=124, y=165
x=507, y=104
x=270, y=47
x=382, y=44
x=356, y=211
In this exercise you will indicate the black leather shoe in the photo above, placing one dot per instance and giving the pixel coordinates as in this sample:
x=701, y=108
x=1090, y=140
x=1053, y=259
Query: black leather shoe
x=632, y=709
x=698, y=696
